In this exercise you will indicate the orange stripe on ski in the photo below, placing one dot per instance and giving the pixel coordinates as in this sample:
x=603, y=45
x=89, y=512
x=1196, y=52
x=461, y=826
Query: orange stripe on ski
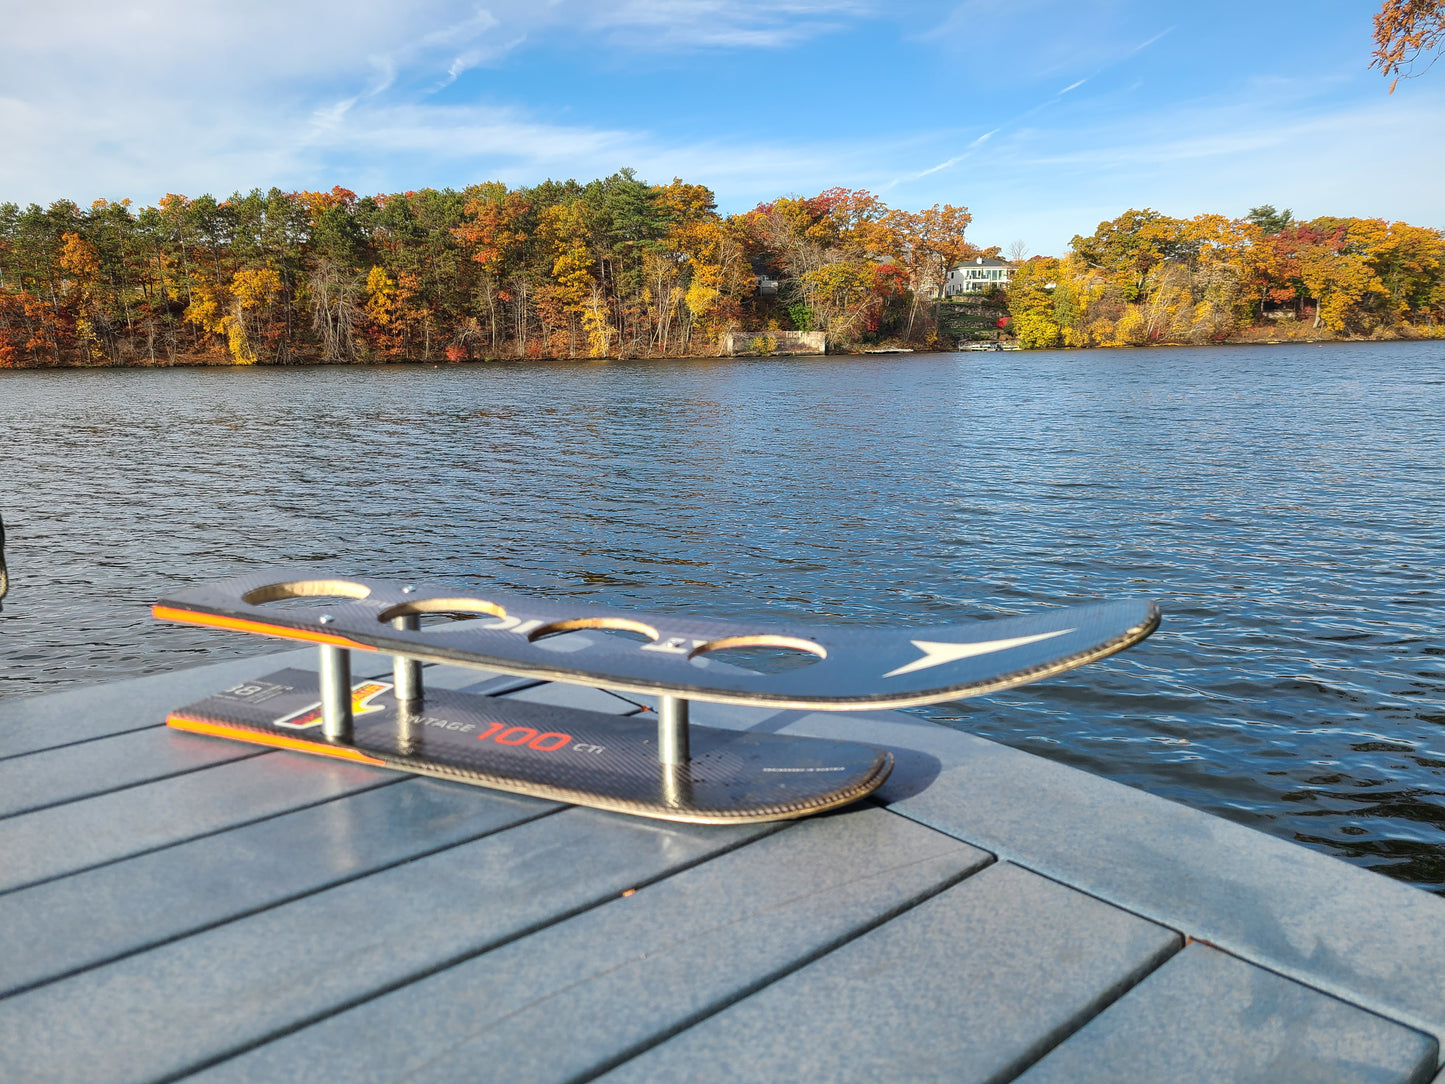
x=279, y=741
x=237, y=624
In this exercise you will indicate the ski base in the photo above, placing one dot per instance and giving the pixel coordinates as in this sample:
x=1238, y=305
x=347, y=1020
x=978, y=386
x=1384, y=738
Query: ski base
x=565, y=754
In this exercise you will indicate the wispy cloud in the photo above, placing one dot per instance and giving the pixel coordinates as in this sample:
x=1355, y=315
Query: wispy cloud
x=293, y=83
x=1013, y=121
x=1048, y=182
x=966, y=153
x=1145, y=44
x=766, y=24
x=381, y=97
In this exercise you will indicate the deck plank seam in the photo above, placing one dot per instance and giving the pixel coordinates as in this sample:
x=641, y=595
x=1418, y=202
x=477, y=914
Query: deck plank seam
x=299, y=664
x=241, y=755
x=248, y=912
x=302, y=664
x=1044, y=1045
x=503, y=694
x=1047, y=1044
x=171, y=775
x=162, y=726
x=1337, y=991
x=1333, y=991
x=244, y=753
x=1273, y=971
x=399, y=778
x=438, y=966
x=770, y=977
x=1351, y=999
x=778, y=974
x=82, y=741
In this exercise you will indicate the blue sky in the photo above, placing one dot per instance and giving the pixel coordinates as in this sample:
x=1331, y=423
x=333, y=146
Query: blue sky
x=1042, y=117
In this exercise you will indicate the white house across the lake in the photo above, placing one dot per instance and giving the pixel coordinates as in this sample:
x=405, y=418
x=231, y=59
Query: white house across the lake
x=977, y=275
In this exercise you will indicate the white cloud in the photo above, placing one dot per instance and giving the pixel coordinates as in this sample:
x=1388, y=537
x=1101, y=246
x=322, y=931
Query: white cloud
x=104, y=99
x=949, y=163
x=748, y=23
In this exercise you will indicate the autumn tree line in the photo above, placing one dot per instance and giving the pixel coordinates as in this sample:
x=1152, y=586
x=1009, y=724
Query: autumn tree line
x=621, y=268
x=616, y=267
x=1147, y=278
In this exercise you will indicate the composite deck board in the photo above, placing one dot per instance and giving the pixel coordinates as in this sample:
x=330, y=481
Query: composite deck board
x=31, y=724
x=57, y=926
x=970, y=985
x=64, y=925
x=188, y=918
x=78, y=835
x=188, y=1002
x=463, y=679
x=573, y=998
x=1293, y=910
x=55, y=776
x=241, y=785
x=98, y=765
x=1208, y=1018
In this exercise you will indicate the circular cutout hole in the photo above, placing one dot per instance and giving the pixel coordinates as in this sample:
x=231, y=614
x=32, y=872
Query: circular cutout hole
x=438, y=611
x=426, y=621
x=621, y=627
x=630, y=635
x=763, y=654
x=305, y=594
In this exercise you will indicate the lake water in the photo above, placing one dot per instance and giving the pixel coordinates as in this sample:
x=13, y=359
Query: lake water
x=1286, y=506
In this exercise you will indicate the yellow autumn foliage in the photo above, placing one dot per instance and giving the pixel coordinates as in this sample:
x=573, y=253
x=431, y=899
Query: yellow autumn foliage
x=1131, y=330
x=380, y=296
x=1101, y=332
x=228, y=310
x=255, y=289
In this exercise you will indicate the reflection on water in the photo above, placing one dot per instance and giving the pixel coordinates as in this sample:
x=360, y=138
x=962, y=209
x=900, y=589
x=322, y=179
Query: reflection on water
x=1284, y=504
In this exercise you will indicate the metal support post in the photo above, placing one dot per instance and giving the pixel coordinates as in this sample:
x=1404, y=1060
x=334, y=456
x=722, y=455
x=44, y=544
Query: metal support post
x=676, y=785
x=672, y=730
x=409, y=728
x=335, y=672
x=405, y=672
x=673, y=751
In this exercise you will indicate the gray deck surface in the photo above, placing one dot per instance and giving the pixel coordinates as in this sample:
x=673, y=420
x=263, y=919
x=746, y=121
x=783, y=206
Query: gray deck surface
x=175, y=906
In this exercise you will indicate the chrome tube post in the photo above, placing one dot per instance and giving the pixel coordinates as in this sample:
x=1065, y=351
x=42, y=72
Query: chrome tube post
x=405, y=672
x=335, y=675
x=672, y=725
x=673, y=751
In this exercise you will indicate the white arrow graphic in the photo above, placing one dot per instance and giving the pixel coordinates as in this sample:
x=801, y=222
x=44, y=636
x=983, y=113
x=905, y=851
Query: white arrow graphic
x=935, y=654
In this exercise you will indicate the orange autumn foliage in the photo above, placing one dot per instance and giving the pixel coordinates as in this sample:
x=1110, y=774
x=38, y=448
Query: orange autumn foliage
x=1407, y=31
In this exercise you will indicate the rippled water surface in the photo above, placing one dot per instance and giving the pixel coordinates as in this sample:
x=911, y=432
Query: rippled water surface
x=1284, y=505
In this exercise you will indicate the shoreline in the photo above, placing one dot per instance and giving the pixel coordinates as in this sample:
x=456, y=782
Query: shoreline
x=873, y=352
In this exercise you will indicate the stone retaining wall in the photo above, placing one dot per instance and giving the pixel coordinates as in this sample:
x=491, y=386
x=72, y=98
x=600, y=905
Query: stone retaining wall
x=774, y=342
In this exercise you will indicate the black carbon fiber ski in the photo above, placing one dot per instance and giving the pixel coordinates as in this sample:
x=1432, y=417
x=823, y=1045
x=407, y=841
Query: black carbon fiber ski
x=857, y=668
